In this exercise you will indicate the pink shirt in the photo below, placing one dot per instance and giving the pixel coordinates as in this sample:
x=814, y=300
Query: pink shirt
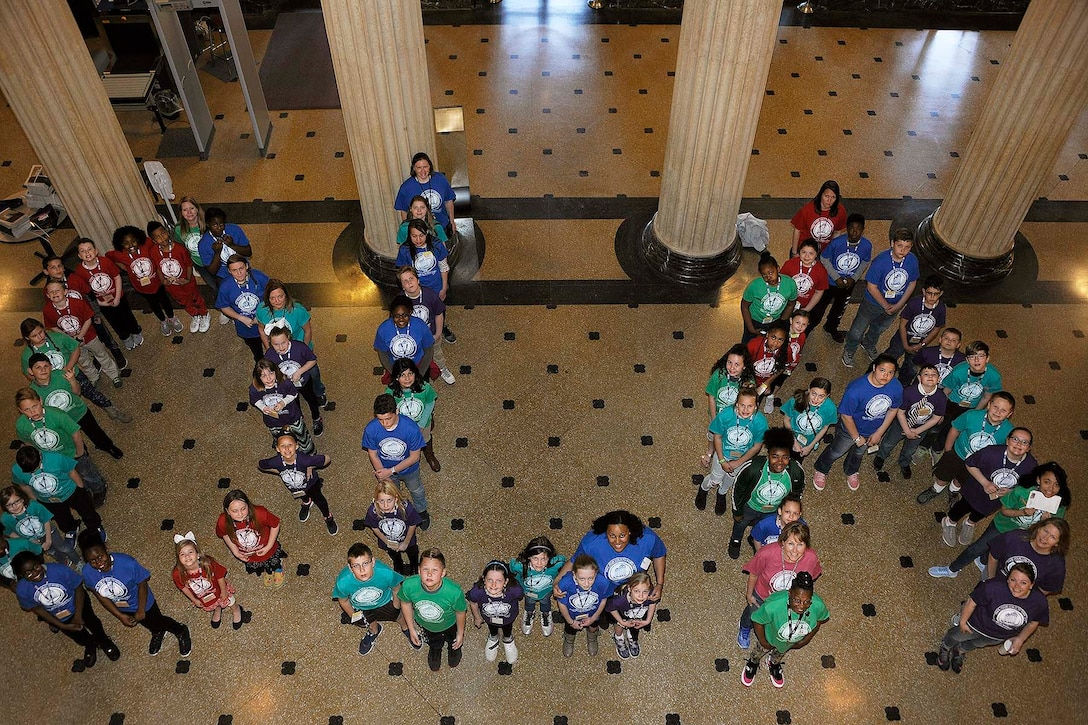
x=775, y=575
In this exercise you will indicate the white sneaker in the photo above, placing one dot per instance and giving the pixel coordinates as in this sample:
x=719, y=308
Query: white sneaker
x=448, y=376
x=491, y=651
x=948, y=532
x=205, y=322
x=527, y=622
x=223, y=319
x=176, y=323
x=546, y=623
x=510, y=650
x=768, y=406
x=194, y=323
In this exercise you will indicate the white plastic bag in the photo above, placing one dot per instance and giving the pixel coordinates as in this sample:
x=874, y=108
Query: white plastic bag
x=753, y=232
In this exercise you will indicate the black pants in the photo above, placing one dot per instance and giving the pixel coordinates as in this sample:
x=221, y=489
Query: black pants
x=308, y=394
x=255, y=347
x=314, y=496
x=939, y=434
x=435, y=640
x=749, y=516
x=155, y=621
x=92, y=633
x=961, y=508
x=412, y=553
x=833, y=303
x=94, y=431
x=506, y=629
x=121, y=319
x=81, y=501
x=159, y=302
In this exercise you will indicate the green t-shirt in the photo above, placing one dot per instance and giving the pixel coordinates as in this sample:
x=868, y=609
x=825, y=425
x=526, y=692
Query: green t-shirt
x=1015, y=499
x=52, y=433
x=766, y=303
x=371, y=594
x=57, y=347
x=417, y=406
x=783, y=627
x=434, y=611
x=295, y=319
x=58, y=394
x=723, y=390
x=191, y=239
x=770, y=490
x=52, y=481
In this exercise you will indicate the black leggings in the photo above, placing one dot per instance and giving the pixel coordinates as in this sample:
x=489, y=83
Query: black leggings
x=121, y=319
x=412, y=553
x=507, y=630
x=94, y=431
x=308, y=394
x=81, y=501
x=314, y=495
x=92, y=633
x=160, y=304
x=961, y=508
x=255, y=347
x=155, y=621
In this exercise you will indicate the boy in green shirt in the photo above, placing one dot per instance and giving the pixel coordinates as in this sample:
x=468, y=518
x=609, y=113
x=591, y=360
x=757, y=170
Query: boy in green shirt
x=438, y=605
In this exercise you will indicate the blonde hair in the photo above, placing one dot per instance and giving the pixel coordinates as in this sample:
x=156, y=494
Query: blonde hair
x=390, y=488
x=199, y=215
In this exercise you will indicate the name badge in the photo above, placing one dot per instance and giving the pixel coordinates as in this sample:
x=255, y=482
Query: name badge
x=122, y=604
x=145, y=281
x=208, y=597
x=63, y=614
x=497, y=620
x=889, y=294
x=645, y=565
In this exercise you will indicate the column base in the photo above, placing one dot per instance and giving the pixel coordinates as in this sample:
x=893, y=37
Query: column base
x=694, y=271
x=956, y=266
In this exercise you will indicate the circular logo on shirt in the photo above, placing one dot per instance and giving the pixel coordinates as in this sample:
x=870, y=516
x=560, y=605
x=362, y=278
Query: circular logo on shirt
x=200, y=586
x=141, y=267
x=773, y=302
x=112, y=588
x=288, y=368
x=896, y=280
x=45, y=483
x=425, y=263
x=781, y=581
x=70, y=324
x=1005, y=477
x=584, y=601
x=943, y=369
x=428, y=611
x=878, y=406
x=421, y=312
x=763, y=367
x=847, y=263
x=434, y=199
x=921, y=325
x=771, y=490
x=978, y=441
x=1017, y=559
x=920, y=412
x=248, y=540
x=1011, y=617
x=50, y=595
x=794, y=630
x=293, y=478
x=403, y=346
x=738, y=437
x=493, y=609
x=727, y=396
x=170, y=268
x=804, y=283
x=537, y=581
x=46, y=439
x=821, y=229
x=393, y=449
x=272, y=399
x=30, y=527
x=620, y=569
x=247, y=302
x=366, y=595
x=970, y=390
x=59, y=399
x=810, y=422
x=100, y=282
x=411, y=407
x=393, y=528
x=55, y=359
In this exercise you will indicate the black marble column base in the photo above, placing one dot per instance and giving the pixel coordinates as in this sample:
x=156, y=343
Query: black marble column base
x=673, y=266
x=956, y=266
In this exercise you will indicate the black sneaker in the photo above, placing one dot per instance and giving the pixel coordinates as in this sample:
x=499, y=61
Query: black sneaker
x=434, y=659
x=700, y=499
x=185, y=642
x=447, y=335
x=878, y=463
x=319, y=427
x=424, y=521
x=926, y=496
x=777, y=678
x=839, y=337
x=156, y=643
x=958, y=656
x=90, y=655
x=944, y=658
x=304, y=511
x=734, y=549
x=323, y=402
x=367, y=642
x=330, y=524
x=905, y=470
x=748, y=674
x=413, y=645
x=455, y=657
x=113, y=652
x=721, y=504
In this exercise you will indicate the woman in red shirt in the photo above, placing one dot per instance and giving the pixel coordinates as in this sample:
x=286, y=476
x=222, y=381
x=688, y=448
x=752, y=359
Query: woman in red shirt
x=821, y=219
x=132, y=253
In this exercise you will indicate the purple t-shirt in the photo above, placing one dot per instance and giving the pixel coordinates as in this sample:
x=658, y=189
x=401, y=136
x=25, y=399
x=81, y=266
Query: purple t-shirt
x=294, y=475
x=1000, y=615
x=919, y=407
x=271, y=396
x=499, y=611
x=932, y=355
x=921, y=320
x=994, y=463
x=394, y=525
x=427, y=306
x=296, y=356
x=1012, y=548
x=628, y=610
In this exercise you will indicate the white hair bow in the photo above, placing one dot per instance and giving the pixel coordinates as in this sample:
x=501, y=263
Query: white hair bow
x=188, y=536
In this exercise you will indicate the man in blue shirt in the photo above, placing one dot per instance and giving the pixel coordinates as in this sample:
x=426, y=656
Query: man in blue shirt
x=394, y=443
x=889, y=283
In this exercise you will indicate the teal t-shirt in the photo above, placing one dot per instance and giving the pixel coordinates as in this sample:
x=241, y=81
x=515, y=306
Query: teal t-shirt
x=738, y=435
x=57, y=347
x=967, y=389
x=417, y=406
x=53, y=433
x=371, y=594
x=784, y=627
x=52, y=481
x=58, y=394
x=14, y=547
x=976, y=433
x=537, y=585
x=434, y=611
x=294, y=318
x=1016, y=498
x=807, y=424
x=31, y=525
x=767, y=303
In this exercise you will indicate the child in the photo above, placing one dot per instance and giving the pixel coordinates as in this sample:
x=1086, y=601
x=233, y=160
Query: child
x=28, y=520
x=296, y=361
x=920, y=323
x=794, y=344
x=808, y=274
x=770, y=356
x=738, y=438
x=53, y=268
x=761, y=487
x=101, y=277
x=175, y=268
x=298, y=471
x=436, y=604
x=203, y=581
x=584, y=593
x=786, y=621
x=732, y=372
x=277, y=399
x=970, y=384
x=810, y=413
x=55, y=595
x=54, y=480
x=132, y=253
x=418, y=208
x=494, y=599
x=219, y=243
x=252, y=535
x=945, y=355
x=889, y=283
x=769, y=528
x=429, y=257
x=394, y=522
x=60, y=390
x=536, y=568
x=239, y=295
x=922, y=409
x=845, y=259
x=9, y=548
x=428, y=307
x=632, y=611
x=766, y=298
x=394, y=442
x=366, y=591
x=415, y=398
x=73, y=318
x=120, y=583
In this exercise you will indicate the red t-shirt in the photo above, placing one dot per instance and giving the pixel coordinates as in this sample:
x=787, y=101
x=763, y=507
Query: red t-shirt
x=796, y=345
x=764, y=361
x=98, y=280
x=807, y=279
x=773, y=574
x=249, y=540
x=174, y=265
x=818, y=225
x=206, y=590
x=70, y=319
x=140, y=267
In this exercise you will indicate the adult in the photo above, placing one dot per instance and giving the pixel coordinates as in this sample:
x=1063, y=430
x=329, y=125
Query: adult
x=786, y=621
x=279, y=309
x=433, y=187
x=1043, y=546
x=845, y=259
x=220, y=242
x=189, y=231
x=621, y=545
x=820, y=219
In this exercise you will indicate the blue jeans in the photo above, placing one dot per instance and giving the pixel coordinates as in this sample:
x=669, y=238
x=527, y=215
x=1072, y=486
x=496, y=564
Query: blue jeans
x=841, y=446
x=869, y=324
x=892, y=437
x=414, y=484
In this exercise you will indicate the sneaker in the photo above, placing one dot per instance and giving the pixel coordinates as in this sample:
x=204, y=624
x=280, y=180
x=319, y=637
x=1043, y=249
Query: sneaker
x=137, y=339
x=819, y=481
x=954, y=620
x=413, y=645
x=434, y=659
x=424, y=520
x=491, y=650
x=367, y=642
x=837, y=336
x=905, y=470
x=847, y=359
x=128, y=343
x=166, y=328
x=223, y=319
x=980, y=564
x=205, y=322
x=871, y=353
x=948, y=532
x=700, y=499
x=113, y=652
x=744, y=637
x=942, y=572
x=721, y=504
x=156, y=643
x=304, y=511
x=455, y=657
x=185, y=642
x=117, y=414
x=448, y=376
x=546, y=623
x=953, y=496
x=331, y=526
x=944, y=658
x=323, y=402
x=958, y=656
x=632, y=644
x=527, y=622
x=90, y=655
x=967, y=532
x=102, y=533
x=920, y=455
x=194, y=323
x=117, y=382
x=768, y=405
x=510, y=650
x=319, y=427
x=748, y=674
x=447, y=335
x=926, y=496
x=878, y=462
x=777, y=678
x=176, y=323
x=853, y=482
x=734, y=552
x=621, y=646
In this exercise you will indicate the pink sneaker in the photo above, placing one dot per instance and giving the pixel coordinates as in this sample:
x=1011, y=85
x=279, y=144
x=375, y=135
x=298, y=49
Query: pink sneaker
x=853, y=482
x=819, y=480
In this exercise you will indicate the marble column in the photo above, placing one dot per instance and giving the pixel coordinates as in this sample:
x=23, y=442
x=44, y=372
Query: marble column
x=1041, y=89
x=49, y=79
x=721, y=75
x=381, y=74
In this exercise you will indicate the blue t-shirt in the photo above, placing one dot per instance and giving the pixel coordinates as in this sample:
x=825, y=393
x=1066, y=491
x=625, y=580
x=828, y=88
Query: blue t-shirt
x=582, y=603
x=410, y=341
x=738, y=434
x=618, y=566
x=807, y=424
x=966, y=389
x=976, y=433
x=394, y=446
x=243, y=298
x=297, y=355
x=766, y=531
x=868, y=405
x=426, y=263
x=121, y=584
x=436, y=190
x=52, y=481
x=55, y=593
x=890, y=277
x=32, y=524
x=846, y=260
x=371, y=594
x=204, y=248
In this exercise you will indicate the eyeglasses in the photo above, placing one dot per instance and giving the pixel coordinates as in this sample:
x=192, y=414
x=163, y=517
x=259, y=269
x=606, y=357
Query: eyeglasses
x=978, y=356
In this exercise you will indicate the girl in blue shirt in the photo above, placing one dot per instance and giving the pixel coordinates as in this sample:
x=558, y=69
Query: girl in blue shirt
x=537, y=568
